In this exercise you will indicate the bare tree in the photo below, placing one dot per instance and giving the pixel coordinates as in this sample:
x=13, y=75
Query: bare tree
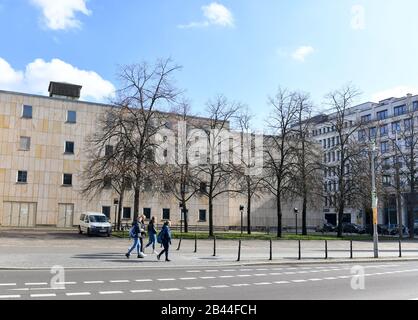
x=215, y=172
x=343, y=189
x=306, y=178
x=146, y=92
x=278, y=149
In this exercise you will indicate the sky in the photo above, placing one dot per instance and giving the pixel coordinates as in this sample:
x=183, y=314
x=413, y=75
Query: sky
x=244, y=49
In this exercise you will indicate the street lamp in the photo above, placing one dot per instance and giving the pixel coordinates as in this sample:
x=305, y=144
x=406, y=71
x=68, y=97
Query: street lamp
x=296, y=210
x=241, y=208
x=374, y=204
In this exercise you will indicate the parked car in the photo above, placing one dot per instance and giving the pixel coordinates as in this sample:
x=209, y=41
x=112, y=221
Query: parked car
x=394, y=230
x=327, y=227
x=353, y=228
x=94, y=223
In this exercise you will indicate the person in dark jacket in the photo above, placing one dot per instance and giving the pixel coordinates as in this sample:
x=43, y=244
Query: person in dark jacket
x=152, y=234
x=134, y=234
x=142, y=233
x=165, y=240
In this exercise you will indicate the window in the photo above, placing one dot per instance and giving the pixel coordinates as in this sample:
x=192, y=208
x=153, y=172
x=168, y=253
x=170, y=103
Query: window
x=106, y=211
x=147, y=213
x=386, y=163
x=408, y=124
x=329, y=142
x=71, y=117
x=67, y=179
x=373, y=133
x=382, y=115
x=128, y=183
x=333, y=142
x=398, y=111
x=24, y=144
x=108, y=150
x=396, y=126
x=362, y=135
x=386, y=181
x=325, y=143
x=27, y=112
x=415, y=104
x=202, y=187
x=333, y=156
x=107, y=182
x=366, y=118
x=384, y=147
x=126, y=213
x=338, y=141
x=325, y=158
x=384, y=130
x=338, y=155
x=69, y=147
x=408, y=142
x=22, y=176
x=166, y=214
x=202, y=215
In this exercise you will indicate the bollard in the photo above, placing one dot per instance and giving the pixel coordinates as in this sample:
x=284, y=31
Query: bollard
x=400, y=249
x=195, y=243
x=239, y=251
x=300, y=252
x=326, y=249
x=351, y=249
x=214, y=246
x=271, y=250
x=178, y=248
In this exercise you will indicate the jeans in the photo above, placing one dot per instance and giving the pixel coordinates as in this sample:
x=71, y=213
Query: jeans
x=136, y=245
x=166, y=246
x=152, y=240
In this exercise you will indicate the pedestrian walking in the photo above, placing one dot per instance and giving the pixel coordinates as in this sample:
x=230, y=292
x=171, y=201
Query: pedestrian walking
x=152, y=235
x=134, y=234
x=164, y=237
x=142, y=233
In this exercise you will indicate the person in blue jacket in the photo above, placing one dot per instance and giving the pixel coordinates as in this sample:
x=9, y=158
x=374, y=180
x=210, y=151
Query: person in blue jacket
x=134, y=234
x=165, y=237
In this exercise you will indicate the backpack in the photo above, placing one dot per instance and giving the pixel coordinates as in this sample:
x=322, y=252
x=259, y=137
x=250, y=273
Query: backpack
x=132, y=233
x=160, y=237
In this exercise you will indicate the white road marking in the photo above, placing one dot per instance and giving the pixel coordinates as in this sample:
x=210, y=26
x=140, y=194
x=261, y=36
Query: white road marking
x=143, y=280
x=226, y=276
x=276, y=274
x=15, y=296
x=281, y=282
x=290, y=273
x=7, y=284
x=93, y=282
x=167, y=279
x=195, y=288
x=170, y=289
x=36, y=284
x=302, y=272
x=211, y=270
x=299, y=281
x=262, y=283
x=330, y=278
x=260, y=274
x=229, y=270
x=119, y=281
x=193, y=271
x=110, y=292
x=241, y=285
x=140, y=291
x=261, y=269
x=204, y=278
x=244, y=275
x=220, y=286
x=76, y=294
x=245, y=270
x=45, y=295
x=65, y=283
x=190, y=278
x=315, y=279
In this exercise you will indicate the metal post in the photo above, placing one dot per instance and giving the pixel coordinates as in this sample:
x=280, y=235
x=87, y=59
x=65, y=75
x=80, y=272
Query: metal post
x=195, y=242
x=326, y=249
x=374, y=204
x=214, y=246
x=351, y=249
x=239, y=251
x=178, y=248
x=300, y=251
x=271, y=250
x=296, y=223
x=400, y=249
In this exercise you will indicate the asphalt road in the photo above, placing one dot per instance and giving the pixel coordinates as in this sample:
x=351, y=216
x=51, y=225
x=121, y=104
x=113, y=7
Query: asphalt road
x=285, y=282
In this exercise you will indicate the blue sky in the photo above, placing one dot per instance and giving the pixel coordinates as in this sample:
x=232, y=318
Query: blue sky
x=244, y=49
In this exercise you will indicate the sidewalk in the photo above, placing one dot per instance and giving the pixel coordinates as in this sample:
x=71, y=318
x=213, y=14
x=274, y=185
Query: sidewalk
x=72, y=251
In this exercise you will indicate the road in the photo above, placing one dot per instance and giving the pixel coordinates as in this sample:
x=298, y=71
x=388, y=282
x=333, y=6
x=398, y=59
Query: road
x=395, y=280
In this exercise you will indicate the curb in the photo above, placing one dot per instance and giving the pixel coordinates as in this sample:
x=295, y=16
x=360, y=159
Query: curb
x=231, y=264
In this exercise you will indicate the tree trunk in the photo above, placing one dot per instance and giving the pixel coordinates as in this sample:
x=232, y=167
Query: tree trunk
x=120, y=208
x=340, y=220
x=249, y=212
x=210, y=215
x=186, y=223
x=136, y=204
x=304, y=214
x=279, y=216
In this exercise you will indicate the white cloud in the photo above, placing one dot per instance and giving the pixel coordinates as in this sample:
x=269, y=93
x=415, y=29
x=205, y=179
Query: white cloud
x=215, y=14
x=358, y=19
x=302, y=53
x=61, y=14
x=395, y=92
x=37, y=75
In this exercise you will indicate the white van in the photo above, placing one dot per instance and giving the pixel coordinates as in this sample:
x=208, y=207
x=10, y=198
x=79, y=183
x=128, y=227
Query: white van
x=94, y=223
